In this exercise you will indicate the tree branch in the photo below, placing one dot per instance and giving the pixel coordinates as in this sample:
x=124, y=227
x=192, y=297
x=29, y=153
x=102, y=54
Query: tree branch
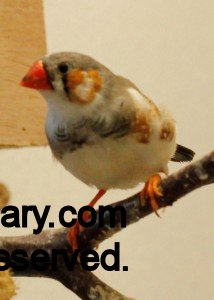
x=84, y=283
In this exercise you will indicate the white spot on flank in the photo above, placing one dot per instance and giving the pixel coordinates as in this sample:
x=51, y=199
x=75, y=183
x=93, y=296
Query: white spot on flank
x=139, y=99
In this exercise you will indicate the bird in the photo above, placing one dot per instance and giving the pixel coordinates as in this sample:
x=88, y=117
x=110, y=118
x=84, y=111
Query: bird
x=102, y=128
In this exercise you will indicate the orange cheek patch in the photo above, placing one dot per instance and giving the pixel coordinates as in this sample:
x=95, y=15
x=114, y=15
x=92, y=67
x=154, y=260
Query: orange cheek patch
x=74, y=78
x=97, y=79
x=97, y=84
x=84, y=85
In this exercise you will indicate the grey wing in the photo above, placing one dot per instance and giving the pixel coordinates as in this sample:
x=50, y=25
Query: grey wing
x=121, y=116
x=117, y=128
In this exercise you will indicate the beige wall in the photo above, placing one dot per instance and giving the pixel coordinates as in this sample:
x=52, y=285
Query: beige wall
x=166, y=48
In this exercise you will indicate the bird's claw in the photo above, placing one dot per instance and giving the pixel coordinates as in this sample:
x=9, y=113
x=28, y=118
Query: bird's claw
x=72, y=236
x=151, y=191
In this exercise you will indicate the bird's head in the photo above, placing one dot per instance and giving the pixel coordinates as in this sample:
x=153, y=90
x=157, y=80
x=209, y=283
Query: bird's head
x=76, y=77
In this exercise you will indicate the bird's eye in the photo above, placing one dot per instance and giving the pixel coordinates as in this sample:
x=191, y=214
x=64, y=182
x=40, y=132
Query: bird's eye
x=63, y=68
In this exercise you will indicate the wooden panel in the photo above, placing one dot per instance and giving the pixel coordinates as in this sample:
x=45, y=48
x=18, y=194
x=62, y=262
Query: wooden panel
x=22, y=41
x=4, y=196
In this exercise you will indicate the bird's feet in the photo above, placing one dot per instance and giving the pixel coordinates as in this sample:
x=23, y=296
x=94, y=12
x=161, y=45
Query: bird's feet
x=72, y=236
x=151, y=192
x=77, y=228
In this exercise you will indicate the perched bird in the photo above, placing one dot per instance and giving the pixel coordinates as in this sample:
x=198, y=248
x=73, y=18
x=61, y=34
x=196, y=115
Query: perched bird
x=102, y=128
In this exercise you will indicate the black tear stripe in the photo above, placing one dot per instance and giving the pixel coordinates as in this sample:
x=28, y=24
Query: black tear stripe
x=64, y=80
x=50, y=76
x=119, y=127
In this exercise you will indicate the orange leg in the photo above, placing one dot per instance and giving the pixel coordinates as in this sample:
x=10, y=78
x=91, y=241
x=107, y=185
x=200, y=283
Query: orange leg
x=151, y=191
x=73, y=231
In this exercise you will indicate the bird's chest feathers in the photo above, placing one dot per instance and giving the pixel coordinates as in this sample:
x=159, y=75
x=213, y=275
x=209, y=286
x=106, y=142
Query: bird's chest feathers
x=71, y=125
x=66, y=133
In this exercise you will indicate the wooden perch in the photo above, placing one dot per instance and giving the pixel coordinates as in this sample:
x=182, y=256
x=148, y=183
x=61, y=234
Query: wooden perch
x=22, y=37
x=84, y=283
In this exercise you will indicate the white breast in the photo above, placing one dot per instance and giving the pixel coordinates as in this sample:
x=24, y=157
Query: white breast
x=121, y=163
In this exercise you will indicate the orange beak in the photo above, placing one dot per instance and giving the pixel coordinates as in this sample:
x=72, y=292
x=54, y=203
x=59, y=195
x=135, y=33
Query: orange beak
x=37, y=78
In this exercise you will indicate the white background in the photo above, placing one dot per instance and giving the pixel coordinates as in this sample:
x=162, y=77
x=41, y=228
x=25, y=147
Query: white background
x=167, y=49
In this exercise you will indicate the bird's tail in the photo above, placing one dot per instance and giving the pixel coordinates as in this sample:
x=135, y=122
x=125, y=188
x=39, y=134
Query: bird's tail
x=183, y=154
